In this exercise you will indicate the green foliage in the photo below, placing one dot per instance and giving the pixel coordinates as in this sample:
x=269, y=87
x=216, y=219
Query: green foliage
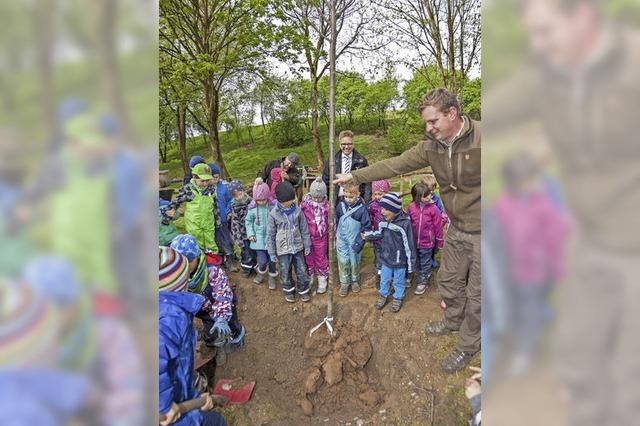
x=288, y=131
x=427, y=78
x=399, y=137
x=471, y=98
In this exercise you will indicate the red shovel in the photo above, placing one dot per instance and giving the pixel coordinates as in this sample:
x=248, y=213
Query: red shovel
x=234, y=393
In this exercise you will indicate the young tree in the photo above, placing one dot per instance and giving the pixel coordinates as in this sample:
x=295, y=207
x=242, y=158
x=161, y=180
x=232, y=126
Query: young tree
x=307, y=28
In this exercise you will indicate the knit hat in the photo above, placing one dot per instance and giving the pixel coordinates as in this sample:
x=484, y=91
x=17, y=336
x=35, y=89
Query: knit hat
x=196, y=159
x=293, y=157
x=260, y=190
x=174, y=270
x=29, y=327
x=186, y=245
x=318, y=188
x=381, y=186
x=202, y=171
x=215, y=169
x=391, y=202
x=285, y=192
x=54, y=277
x=235, y=185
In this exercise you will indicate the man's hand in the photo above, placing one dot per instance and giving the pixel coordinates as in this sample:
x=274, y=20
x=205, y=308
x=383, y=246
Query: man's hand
x=172, y=415
x=284, y=175
x=341, y=179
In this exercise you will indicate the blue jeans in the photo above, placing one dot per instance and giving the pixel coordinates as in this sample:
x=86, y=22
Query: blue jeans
x=287, y=261
x=399, y=276
x=211, y=418
x=263, y=261
x=424, y=261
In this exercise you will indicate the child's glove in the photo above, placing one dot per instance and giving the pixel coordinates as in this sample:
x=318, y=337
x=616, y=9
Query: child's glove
x=221, y=326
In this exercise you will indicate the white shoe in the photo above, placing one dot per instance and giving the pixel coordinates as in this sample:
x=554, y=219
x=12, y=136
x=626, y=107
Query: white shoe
x=322, y=284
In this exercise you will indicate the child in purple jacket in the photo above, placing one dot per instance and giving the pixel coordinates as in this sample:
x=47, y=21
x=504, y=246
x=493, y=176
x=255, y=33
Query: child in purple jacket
x=379, y=188
x=315, y=207
x=426, y=220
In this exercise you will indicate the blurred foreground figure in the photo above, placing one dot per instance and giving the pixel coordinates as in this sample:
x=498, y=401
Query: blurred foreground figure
x=582, y=86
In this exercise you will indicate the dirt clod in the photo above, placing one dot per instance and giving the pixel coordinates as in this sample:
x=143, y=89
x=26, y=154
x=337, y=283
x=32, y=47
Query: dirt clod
x=307, y=406
x=313, y=381
x=370, y=398
x=332, y=368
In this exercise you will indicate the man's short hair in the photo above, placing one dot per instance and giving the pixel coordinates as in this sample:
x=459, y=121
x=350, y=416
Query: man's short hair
x=441, y=99
x=345, y=134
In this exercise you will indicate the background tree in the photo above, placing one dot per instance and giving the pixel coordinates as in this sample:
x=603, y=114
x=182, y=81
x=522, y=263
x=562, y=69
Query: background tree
x=215, y=40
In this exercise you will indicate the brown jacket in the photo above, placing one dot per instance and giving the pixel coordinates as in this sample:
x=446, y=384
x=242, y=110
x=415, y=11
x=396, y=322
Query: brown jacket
x=458, y=173
x=594, y=135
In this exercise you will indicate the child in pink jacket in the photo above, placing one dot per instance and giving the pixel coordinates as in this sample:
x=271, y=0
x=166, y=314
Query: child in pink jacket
x=427, y=229
x=378, y=189
x=315, y=208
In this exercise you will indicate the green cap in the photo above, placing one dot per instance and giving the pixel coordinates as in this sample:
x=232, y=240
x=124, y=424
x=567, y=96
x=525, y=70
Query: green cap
x=202, y=171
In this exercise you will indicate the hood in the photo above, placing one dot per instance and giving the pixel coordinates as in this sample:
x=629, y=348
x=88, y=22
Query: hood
x=190, y=302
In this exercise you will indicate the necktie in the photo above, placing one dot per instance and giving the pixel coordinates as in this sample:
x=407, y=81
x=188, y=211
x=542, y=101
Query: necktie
x=347, y=165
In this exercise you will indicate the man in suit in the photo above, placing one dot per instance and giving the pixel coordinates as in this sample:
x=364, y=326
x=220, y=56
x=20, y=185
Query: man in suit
x=347, y=160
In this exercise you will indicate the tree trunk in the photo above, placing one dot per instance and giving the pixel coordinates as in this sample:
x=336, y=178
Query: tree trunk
x=250, y=135
x=213, y=110
x=182, y=137
x=315, y=133
x=44, y=22
x=112, y=88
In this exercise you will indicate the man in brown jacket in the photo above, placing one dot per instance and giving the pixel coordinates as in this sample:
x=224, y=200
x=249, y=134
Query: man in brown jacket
x=452, y=148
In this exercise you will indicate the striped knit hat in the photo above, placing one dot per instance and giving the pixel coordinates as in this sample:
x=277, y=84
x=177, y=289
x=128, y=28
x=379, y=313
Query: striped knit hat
x=29, y=327
x=390, y=201
x=174, y=270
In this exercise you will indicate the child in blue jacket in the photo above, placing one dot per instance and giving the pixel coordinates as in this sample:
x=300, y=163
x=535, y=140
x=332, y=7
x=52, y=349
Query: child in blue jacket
x=397, y=251
x=353, y=219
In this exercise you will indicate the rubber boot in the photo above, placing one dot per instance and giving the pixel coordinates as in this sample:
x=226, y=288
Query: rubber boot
x=259, y=276
x=322, y=284
x=272, y=280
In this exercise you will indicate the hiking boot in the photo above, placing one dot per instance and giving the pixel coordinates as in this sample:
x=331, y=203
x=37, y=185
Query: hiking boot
x=380, y=302
x=410, y=280
x=355, y=287
x=344, y=290
x=272, y=281
x=305, y=297
x=420, y=289
x=456, y=361
x=396, y=305
x=259, y=277
x=290, y=298
x=322, y=284
x=438, y=328
x=230, y=265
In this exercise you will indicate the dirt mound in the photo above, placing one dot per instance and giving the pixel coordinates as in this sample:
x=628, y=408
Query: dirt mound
x=340, y=378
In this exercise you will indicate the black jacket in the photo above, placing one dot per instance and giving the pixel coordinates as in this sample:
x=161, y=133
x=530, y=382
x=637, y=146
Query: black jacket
x=295, y=177
x=358, y=162
x=395, y=251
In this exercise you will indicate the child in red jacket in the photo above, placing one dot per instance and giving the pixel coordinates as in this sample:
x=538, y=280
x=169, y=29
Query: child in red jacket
x=426, y=220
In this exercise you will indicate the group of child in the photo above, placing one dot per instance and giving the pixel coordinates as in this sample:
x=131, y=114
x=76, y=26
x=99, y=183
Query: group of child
x=270, y=227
